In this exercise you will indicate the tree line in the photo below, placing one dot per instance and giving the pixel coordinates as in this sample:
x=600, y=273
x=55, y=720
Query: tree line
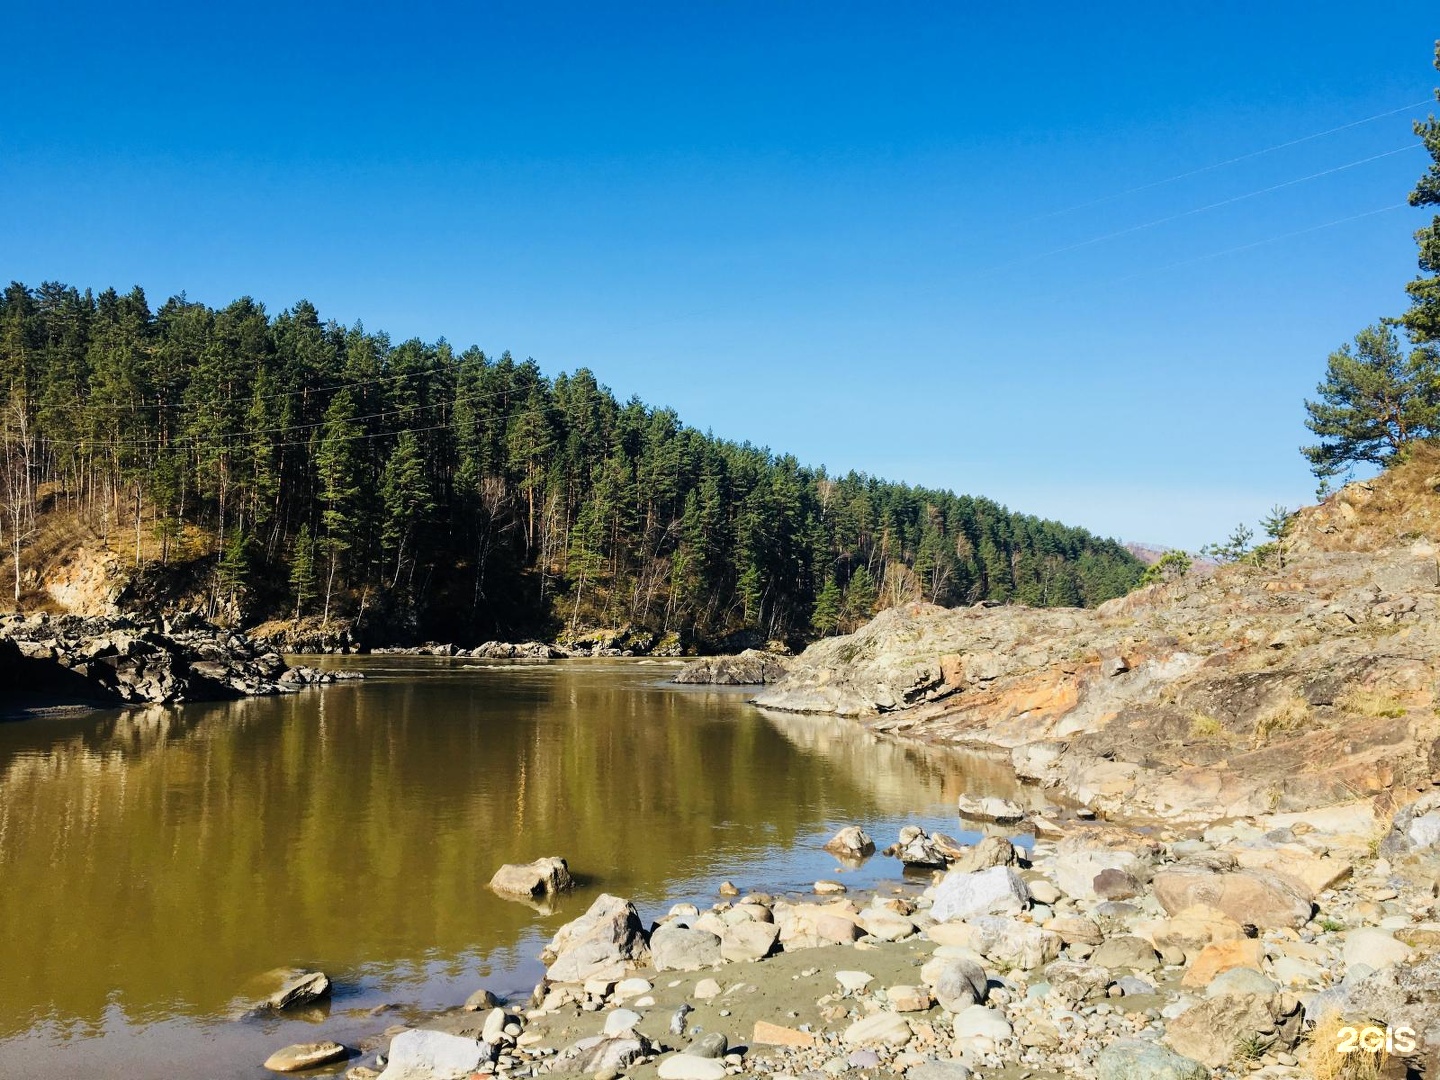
x=309, y=469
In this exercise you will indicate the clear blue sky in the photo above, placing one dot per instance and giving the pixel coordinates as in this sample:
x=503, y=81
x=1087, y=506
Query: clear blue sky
x=897, y=238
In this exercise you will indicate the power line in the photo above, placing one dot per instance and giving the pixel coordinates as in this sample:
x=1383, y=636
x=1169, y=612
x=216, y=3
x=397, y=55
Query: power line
x=1231, y=161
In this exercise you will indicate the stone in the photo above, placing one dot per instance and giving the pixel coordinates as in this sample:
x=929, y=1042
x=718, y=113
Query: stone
x=1375, y=947
x=1075, y=929
x=768, y=1034
x=1071, y=983
x=887, y=1028
x=909, y=998
x=634, y=987
x=543, y=877
x=1260, y=897
x=989, y=808
x=934, y=1069
x=304, y=1056
x=1006, y=941
x=915, y=848
x=301, y=989
x=418, y=1054
x=884, y=924
x=1076, y=867
x=494, y=1027
x=1212, y=1030
x=749, y=940
x=1194, y=928
x=829, y=888
x=1406, y=995
x=604, y=942
x=982, y=1022
x=805, y=926
x=600, y=1055
x=1221, y=956
x=481, y=1000
x=1241, y=980
x=706, y=990
x=690, y=1067
x=1115, y=884
x=679, y=948
x=991, y=851
x=854, y=981
x=1136, y=1060
x=621, y=1021
x=1130, y=985
x=728, y=888
x=712, y=1044
x=998, y=890
x=1126, y=951
x=958, y=984
x=1042, y=891
x=851, y=842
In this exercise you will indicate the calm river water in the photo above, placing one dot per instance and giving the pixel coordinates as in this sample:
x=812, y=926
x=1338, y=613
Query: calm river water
x=153, y=863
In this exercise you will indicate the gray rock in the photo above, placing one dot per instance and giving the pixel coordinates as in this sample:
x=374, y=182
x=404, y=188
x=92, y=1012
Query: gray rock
x=998, y=890
x=305, y=988
x=1240, y=980
x=916, y=848
x=851, y=842
x=712, y=1044
x=603, y=943
x=679, y=948
x=751, y=668
x=1131, y=985
x=960, y=983
x=748, y=941
x=991, y=851
x=596, y=1055
x=1135, y=1060
x=687, y=1067
x=481, y=1000
x=935, y=1069
x=989, y=808
x=418, y=1054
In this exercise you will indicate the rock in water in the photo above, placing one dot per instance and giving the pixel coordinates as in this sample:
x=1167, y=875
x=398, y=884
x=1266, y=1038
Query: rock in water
x=915, y=848
x=851, y=842
x=991, y=851
x=304, y=1056
x=302, y=989
x=481, y=1001
x=418, y=1054
x=751, y=668
x=543, y=877
x=989, y=808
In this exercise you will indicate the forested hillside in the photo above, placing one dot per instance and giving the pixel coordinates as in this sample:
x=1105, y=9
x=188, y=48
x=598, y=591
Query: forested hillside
x=326, y=470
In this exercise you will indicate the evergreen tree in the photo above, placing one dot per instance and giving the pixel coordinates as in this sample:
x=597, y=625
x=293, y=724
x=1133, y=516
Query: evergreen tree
x=829, y=606
x=303, y=579
x=1423, y=318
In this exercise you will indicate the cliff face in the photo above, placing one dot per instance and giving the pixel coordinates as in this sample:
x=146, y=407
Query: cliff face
x=1307, y=681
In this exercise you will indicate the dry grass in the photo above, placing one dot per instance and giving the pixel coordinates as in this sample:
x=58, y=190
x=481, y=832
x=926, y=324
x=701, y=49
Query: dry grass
x=1204, y=726
x=1291, y=715
x=1326, y=1062
x=1371, y=703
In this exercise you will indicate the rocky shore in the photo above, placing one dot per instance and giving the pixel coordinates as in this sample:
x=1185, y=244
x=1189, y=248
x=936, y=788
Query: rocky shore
x=1240, y=950
x=115, y=660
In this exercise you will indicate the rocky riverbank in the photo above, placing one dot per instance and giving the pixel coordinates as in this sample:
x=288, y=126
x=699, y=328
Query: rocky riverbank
x=1307, y=680
x=114, y=660
x=1238, y=951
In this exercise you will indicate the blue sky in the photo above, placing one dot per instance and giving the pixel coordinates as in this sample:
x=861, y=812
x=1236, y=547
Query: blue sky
x=929, y=242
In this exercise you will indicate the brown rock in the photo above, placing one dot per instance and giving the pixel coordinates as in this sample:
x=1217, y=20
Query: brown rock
x=1259, y=897
x=1212, y=1031
x=543, y=877
x=768, y=1034
x=304, y=1056
x=1222, y=956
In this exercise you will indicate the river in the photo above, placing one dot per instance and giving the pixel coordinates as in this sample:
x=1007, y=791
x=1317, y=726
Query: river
x=155, y=862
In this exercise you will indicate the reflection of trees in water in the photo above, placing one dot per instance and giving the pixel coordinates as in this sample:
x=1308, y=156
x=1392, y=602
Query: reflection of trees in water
x=171, y=854
x=900, y=776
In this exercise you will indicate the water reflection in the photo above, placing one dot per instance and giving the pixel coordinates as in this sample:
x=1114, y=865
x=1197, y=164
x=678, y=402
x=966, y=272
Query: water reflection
x=153, y=861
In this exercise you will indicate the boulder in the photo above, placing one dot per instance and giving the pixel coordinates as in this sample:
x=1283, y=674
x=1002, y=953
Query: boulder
x=604, y=942
x=481, y=1000
x=905, y=999
x=1240, y=980
x=679, y=948
x=959, y=984
x=1191, y=930
x=768, y=1034
x=1075, y=929
x=691, y=1067
x=1378, y=948
x=1214, y=1030
x=714, y=1044
x=1113, y=883
x=1406, y=995
x=1136, y=1060
x=991, y=851
x=1125, y=951
x=1071, y=984
x=302, y=988
x=418, y=1054
x=543, y=877
x=748, y=941
x=804, y=926
x=916, y=848
x=304, y=1056
x=1006, y=941
x=885, y=925
x=750, y=668
x=1221, y=956
x=998, y=890
x=1259, y=897
x=851, y=842
x=1076, y=867
x=977, y=1021
x=990, y=808
x=604, y=1055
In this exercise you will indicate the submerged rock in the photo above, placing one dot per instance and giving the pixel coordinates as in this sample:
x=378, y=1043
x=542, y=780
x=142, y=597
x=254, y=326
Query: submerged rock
x=304, y=1056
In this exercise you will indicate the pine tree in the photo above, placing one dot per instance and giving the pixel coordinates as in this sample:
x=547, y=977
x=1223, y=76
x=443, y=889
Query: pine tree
x=829, y=605
x=1423, y=318
x=302, y=570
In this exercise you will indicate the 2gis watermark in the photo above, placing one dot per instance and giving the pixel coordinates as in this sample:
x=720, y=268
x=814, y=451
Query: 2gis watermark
x=1373, y=1039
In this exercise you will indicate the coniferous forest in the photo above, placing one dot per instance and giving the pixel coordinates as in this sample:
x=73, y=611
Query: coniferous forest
x=299, y=468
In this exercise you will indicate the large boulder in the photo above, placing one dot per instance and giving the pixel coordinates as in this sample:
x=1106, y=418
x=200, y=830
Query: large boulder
x=958, y=984
x=749, y=940
x=751, y=668
x=804, y=926
x=917, y=848
x=851, y=842
x=299, y=989
x=1258, y=897
x=1076, y=867
x=1008, y=942
x=996, y=891
x=543, y=877
x=989, y=808
x=418, y=1054
x=1406, y=995
x=679, y=948
x=1217, y=1029
x=303, y=1056
x=991, y=851
x=606, y=942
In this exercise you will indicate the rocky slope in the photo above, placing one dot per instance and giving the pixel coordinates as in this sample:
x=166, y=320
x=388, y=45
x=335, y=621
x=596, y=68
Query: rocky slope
x=1305, y=681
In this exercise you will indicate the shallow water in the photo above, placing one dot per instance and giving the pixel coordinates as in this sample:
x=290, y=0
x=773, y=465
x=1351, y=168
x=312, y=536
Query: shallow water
x=153, y=863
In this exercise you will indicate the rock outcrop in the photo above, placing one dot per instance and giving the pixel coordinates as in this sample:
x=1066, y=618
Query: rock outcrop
x=751, y=668
x=1301, y=682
